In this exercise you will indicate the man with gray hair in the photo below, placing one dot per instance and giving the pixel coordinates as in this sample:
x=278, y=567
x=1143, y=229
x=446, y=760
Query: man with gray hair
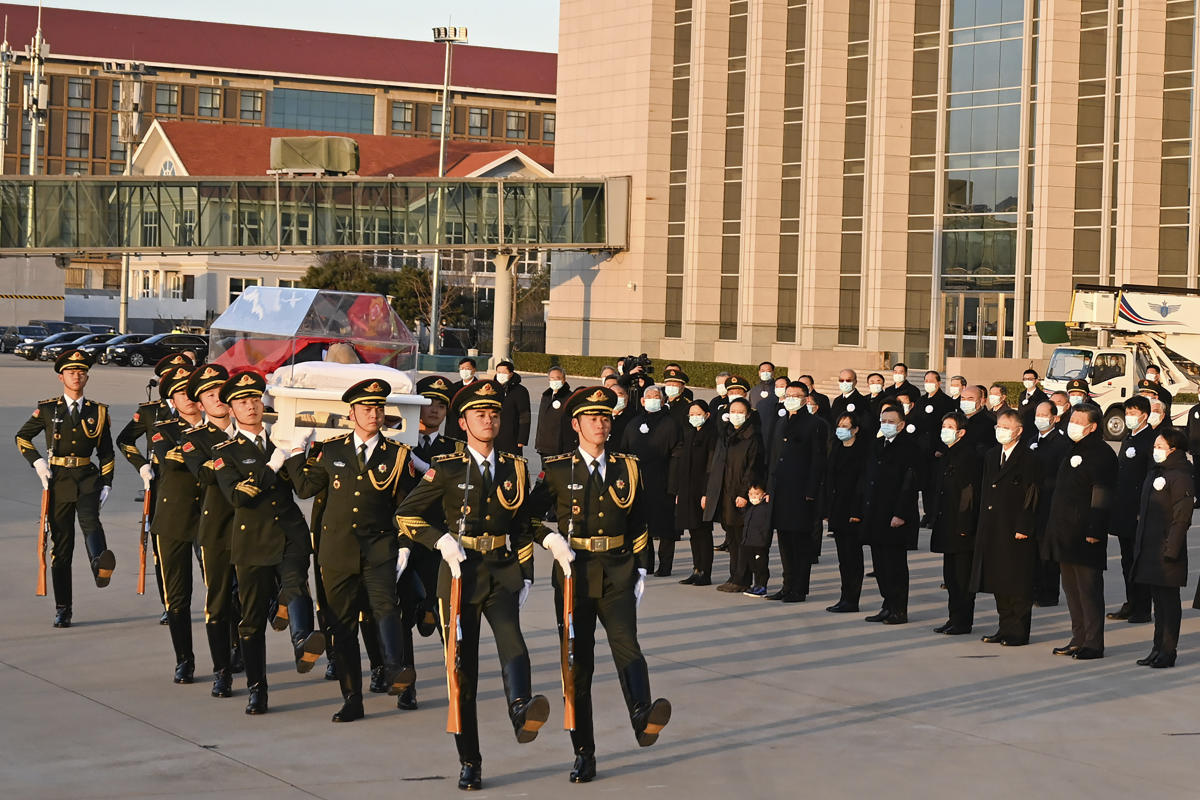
x=652, y=436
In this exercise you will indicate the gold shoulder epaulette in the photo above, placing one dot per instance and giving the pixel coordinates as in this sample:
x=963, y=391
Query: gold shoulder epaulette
x=48, y=400
x=225, y=443
x=560, y=457
x=149, y=404
x=513, y=456
x=196, y=428
x=449, y=457
x=169, y=421
x=626, y=456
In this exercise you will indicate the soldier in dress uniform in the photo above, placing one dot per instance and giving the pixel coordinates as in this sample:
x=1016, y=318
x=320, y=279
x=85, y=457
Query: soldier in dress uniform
x=271, y=545
x=144, y=419
x=222, y=612
x=603, y=541
x=481, y=492
x=176, y=516
x=366, y=477
x=75, y=428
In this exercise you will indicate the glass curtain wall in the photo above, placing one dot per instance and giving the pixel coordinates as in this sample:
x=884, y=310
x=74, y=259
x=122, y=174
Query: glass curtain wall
x=1175, y=194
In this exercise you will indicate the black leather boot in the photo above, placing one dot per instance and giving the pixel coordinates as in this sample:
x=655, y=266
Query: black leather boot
x=407, y=700
x=349, y=672
x=330, y=658
x=583, y=741
x=307, y=643
x=60, y=577
x=528, y=712
x=470, y=779
x=180, y=625
x=219, y=648
x=398, y=670
x=254, y=650
x=237, y=664
x=648, y=717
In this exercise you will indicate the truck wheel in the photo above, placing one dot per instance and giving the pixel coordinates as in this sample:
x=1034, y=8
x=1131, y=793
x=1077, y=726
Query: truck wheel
x=1114, y=424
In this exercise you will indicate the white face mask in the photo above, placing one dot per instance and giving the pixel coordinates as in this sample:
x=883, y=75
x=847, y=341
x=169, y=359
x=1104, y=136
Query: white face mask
x=502, y=378
x=672, y=390
x=898, y=378
x=695, y=421
x=780, y=390
x=949, y=435
x=466, y=374
x=1133, y=421
x=1003, y=435
x=721, y=390
x=930, y=388
x=765, y=376
x=845, y=387
x=653, y=404
x=754, y=500
x=889, y=429
x=1029, y=385
x=1061, y=410
x=812, y=408
x=737, y=420
x=874, y=388
x=1075, y=431
x=1160, y=455
x=907, y=408
x=994, y=400
x=793, y=403
x=1154, y=419
x=955, y=390
x=619, y=405
x=967, y=406
x=555, y=385
x=1075, y=399
x=1042, y=423
x=1152, y=376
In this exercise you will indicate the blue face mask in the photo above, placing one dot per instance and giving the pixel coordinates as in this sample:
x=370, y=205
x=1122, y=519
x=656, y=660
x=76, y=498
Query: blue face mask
x=888, y=429
x=843, y=434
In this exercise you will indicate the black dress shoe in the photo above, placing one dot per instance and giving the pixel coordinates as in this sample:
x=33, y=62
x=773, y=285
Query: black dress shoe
x=649, y=721
x=703, y=580
x=427, y=624
x=941, y=628
x=331, y=671
x=164, y=619
x=528, y=716
x=1088, y=653
x=407, y=700
x=1148, y=660
x=471, y=777
x=1007, y=642
x=257, y=703
x=842, y=607
x=62, y=617
x=222, y=684
x=896, y=618
x=777, y=595
x=1066, y=650
x=351, y=710
x=1163, y=661
x=377, y=686
x=690, y=580
x=879, y=617
x=723, y=547
x=1139, y=618
x=992, y=638
x=662, y=573
x=870, y=574
x=584, y=769
x=957, y=630
x=1121, y=613
x=185, y=672
x=794, y=597
x=102, y=568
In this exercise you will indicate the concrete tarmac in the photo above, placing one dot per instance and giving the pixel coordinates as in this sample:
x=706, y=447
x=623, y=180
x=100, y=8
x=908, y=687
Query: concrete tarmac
x=770, y=700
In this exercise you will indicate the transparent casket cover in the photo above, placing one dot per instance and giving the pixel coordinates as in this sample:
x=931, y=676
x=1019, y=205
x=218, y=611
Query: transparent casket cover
x=269, y=326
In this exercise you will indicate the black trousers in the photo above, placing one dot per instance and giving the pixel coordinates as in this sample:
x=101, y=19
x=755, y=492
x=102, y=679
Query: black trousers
x=345, y=592
x=257, y=587
x=850, y=565
x=616, y=610
x=798, y=551
x=891, y=573
x=1084, y=589
x=1136, y=594
x=499, y=606
x=956, y=574
x=754, y=563
x=1016, y=616
x=175, y=556
x=701, y=541
x=1168, y=612
x=70, y=500
x=1045, y=582
x=733, y=538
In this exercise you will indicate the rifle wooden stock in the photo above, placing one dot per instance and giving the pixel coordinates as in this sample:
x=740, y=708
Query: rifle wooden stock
x=453, y=655
x=42, y=524
x=142, y=534
x=568, y=653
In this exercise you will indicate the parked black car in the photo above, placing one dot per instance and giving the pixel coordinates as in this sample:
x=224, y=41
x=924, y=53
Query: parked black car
x=59, y=326
x=53, y=351
x=20, y=334
x=157, y=346
x=96, y=327
x=31, y=350
x=100, y=349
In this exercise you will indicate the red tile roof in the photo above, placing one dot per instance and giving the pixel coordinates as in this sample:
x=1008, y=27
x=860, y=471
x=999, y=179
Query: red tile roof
x=270, y=51
x=229, y=150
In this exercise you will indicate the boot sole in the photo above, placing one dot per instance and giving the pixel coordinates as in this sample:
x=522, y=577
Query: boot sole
x=313, y=648
x=280, y=621
x=660, y=715
x=535, y=717
x=106, y=562
x=404, y=678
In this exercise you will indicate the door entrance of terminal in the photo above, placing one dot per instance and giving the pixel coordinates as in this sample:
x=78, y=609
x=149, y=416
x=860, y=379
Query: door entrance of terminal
x=977, y=324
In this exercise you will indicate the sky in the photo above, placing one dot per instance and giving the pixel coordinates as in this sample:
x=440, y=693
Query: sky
x=515, y=24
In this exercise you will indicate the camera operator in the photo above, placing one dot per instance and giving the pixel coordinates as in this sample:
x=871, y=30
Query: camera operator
x=636, y=375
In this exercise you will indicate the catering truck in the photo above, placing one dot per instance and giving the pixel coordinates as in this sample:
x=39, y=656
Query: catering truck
x=1114, y=333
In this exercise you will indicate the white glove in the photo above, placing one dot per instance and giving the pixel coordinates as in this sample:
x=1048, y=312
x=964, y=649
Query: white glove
x=524, y=595
x=301, y=444
x=402, y=561
x=639, y=588
x=277, y=458
x=280, y=442
x=147, y=473
x=562, y=552
x=43, y=472
x=452, y=554
x=104, y=492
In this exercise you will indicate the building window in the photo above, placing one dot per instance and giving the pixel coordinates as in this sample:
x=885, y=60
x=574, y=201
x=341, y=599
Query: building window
x=478, y=122
x=79, y=92
x=404, y=117
x=79, y=126
x=147, y=283
x=295, y=229
x=239, y=285
x=250, y=228
x=548, y=127
x=185, y=227
x=677, y=176
x=516, y=124
x=150, y=229
x=284, y=283
x=252, y=104
x=166, y=98
x=435, y=120
x=336, y=112
x=116, y=148
x=208, y=102
x=174, y=286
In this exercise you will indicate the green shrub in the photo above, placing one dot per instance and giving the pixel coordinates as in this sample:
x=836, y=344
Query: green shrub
x=700, y=373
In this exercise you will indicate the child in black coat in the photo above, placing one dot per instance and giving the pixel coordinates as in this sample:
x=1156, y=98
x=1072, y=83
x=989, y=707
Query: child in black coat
x=756, y=542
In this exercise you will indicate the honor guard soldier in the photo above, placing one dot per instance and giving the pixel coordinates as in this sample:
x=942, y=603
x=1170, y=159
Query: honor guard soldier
x=481, y=493
x=176, y=517
x=221, y=614
x=602, y=529
x=366, y=476
x=270, y=544
x=144, y=419
x=75, y=428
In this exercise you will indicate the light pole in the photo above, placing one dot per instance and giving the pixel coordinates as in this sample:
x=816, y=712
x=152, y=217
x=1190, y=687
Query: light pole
x=449, y=36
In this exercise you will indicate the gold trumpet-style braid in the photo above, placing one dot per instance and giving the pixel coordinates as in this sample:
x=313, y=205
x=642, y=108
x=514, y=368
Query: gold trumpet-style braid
x=632, y=468
x=100, y=417
x=515, y=504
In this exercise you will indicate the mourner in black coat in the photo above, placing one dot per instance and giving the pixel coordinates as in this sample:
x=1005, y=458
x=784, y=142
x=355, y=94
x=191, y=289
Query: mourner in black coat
x=1030, y=399
x=551, y=438
x=1049, y=447
x=1077, y=529
x=981, y=423
x=736, y=464
x=888, y=503
x=846, y=462
x=1160, y=557
x=956, y=491
x=652, y=436
x=1133, y=461
x=1193, y=445
x=1005, y=547
x=926, y=416
x=849, y=399
x=514, y=413
x=687, y=482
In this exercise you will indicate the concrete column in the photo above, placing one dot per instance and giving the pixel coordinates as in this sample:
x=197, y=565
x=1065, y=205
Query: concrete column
x=502, y=308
